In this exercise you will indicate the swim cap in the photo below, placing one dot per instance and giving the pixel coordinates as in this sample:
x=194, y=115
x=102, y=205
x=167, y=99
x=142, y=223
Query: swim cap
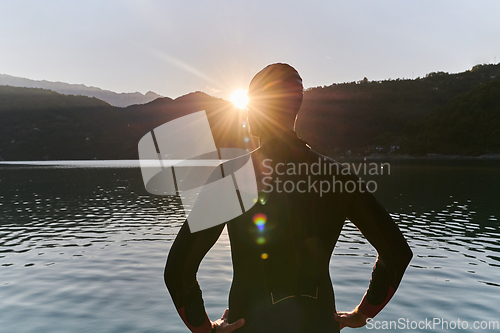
x=277, y=82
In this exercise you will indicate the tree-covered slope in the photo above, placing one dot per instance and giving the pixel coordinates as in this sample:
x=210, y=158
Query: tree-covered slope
x=34, y=99
x=441, y=113
x=37, y=124
x=353, y=116
x=467, y=125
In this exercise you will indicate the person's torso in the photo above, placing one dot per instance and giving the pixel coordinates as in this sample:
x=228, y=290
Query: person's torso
x=281, y=250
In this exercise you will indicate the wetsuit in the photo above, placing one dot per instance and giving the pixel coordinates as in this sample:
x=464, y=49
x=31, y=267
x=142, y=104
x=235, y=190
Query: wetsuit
x=281, y=248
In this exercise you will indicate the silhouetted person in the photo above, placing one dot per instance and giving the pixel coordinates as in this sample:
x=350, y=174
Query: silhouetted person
x=281, y=247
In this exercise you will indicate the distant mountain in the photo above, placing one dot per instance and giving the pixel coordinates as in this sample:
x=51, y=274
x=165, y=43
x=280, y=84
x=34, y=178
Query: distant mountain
x=38, y=124
x=115, y=99
x=37, y=99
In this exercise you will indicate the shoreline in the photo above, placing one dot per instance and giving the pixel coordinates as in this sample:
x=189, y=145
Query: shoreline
x=135, y=162
x=428, y=157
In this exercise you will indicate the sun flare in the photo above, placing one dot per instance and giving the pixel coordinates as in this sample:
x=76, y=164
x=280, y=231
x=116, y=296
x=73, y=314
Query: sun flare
x=239, y=98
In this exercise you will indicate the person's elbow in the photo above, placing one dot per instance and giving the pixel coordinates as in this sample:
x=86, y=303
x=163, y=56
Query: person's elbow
x=169, y=275
x=406, y=255
x=401, y=256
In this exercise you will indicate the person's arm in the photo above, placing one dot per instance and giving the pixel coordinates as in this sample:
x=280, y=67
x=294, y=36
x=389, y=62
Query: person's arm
x=394, y=255
x=183, y=262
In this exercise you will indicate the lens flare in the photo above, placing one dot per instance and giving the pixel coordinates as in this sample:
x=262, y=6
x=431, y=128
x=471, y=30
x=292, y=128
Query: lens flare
x=261, y=240
x=264, y=256
x=263, y=198
x=260, y=221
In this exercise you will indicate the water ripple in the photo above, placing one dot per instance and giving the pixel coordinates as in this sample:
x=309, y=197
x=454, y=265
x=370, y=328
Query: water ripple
x=84, y=250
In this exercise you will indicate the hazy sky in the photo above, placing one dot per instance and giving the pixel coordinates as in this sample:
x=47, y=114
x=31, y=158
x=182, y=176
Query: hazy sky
x=176, y=47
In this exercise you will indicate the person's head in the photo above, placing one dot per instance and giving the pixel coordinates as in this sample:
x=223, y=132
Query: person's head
x=275, y=95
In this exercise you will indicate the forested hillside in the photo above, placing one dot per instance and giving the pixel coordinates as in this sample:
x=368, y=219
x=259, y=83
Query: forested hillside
x=439, y=114
x=467, y=125
x=359, y=116
x=52, y=126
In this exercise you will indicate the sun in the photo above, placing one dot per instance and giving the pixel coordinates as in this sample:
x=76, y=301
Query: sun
x=239, y=98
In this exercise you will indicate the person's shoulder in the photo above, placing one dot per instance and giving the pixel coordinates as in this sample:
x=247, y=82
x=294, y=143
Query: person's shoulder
x=328, y=165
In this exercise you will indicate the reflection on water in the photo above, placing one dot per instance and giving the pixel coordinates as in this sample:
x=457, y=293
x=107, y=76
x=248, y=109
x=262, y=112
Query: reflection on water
x=84, y=249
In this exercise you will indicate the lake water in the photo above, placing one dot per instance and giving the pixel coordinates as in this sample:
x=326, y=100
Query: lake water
x=83, y=250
